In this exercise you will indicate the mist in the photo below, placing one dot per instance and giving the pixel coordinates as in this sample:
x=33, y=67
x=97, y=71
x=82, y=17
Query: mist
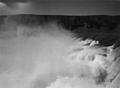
x=50, y=56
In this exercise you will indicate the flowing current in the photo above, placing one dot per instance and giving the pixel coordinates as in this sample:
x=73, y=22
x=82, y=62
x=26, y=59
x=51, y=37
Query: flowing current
x=55, y=59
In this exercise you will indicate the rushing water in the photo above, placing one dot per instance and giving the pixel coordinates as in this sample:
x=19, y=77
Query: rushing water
x=55, y=59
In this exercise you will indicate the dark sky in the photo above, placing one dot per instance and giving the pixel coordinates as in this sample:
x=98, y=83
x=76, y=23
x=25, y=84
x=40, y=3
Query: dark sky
x=72, y=7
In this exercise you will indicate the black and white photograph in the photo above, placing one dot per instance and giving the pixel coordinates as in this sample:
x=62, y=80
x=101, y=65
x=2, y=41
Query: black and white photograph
x=59, y=43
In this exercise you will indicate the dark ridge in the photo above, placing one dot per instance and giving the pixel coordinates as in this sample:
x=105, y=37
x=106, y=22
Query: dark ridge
x=103, y=28
x=2, y=18
x=70, y=22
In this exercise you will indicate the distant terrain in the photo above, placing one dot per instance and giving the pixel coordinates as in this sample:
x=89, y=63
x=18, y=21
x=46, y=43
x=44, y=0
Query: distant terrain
x=104, y=28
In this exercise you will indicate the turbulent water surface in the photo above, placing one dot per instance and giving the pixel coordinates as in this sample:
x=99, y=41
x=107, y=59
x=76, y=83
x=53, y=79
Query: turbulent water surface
x=53, y=58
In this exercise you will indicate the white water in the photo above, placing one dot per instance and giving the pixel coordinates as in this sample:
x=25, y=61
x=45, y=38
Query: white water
x=50, y=60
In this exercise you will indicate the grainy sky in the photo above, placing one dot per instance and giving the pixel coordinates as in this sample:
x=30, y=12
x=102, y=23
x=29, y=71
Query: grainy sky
x=58, y=7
